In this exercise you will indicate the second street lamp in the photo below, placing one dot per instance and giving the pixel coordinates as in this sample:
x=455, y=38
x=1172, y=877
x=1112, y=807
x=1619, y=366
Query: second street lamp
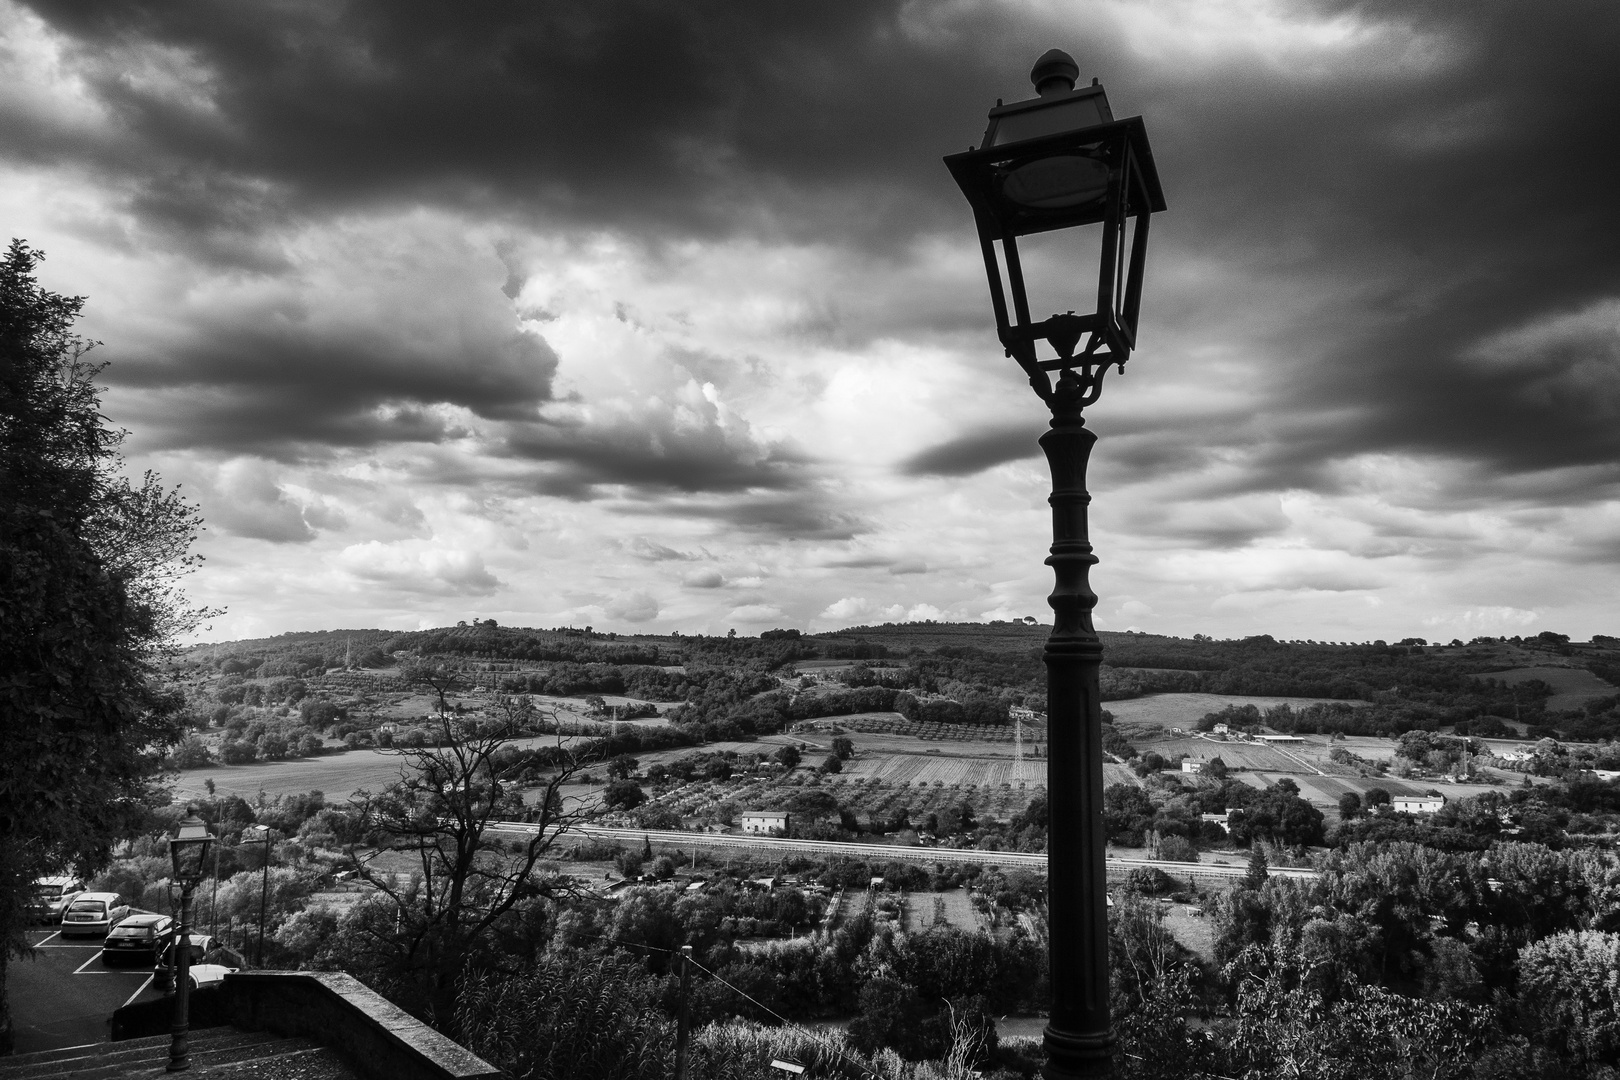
x=188, y=851
x=264, y=886
x=1061, y=161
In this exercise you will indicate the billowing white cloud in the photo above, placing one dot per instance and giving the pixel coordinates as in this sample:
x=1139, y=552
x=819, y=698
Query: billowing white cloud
x=637, y=607
x=412, y=567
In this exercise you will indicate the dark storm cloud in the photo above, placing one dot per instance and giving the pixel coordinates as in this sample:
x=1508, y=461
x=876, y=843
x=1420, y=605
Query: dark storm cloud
x=1433, y=210
x=696, y=118
x=805, y=516
x=653, y=551
x=651, y=456
x=894, y=565
x=975, y=451
x=274, y=386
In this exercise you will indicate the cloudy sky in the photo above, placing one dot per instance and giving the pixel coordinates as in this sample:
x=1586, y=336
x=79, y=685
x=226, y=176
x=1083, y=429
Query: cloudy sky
x=659, y=316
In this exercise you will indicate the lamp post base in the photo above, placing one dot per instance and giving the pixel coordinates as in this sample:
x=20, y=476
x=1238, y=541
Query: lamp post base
x=1071, y=1055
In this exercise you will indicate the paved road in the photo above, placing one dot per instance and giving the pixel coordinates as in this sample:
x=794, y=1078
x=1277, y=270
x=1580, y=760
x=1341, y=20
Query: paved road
x=778, y=845
x=65, y=996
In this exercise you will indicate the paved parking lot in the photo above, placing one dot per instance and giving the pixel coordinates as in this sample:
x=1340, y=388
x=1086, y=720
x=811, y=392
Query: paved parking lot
x=65, y=996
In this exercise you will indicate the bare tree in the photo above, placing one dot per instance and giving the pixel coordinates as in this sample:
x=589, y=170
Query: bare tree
x=440, y=679
x=442, y=809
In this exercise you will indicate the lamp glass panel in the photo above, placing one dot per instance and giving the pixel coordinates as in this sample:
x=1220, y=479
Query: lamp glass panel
x=1057, y=182
x=1066, y=114
x=189, y=857
x=1060, y=272
x=188, y=851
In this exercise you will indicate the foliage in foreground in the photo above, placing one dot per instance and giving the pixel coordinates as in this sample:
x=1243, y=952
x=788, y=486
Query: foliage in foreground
x=88, y=598
x=574, y=1016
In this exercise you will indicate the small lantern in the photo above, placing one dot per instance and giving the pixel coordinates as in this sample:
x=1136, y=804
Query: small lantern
x=1059, y=161
x=188, y=849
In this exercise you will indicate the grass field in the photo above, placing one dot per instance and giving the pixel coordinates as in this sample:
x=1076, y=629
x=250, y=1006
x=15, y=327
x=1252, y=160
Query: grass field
x=1144, y=717
x=1573, y=687
x=338, y=776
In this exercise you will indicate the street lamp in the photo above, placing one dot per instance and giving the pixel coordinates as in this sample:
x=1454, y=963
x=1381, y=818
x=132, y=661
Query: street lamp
x=1061, y=161
x=264, y=886
x=188, y=852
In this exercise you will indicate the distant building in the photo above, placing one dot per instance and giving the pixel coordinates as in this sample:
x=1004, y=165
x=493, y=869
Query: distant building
x=1222, y=819
x=1279, y=738
x=1191, y=765
x=1223, y=729
x=765, y=822
x=1019, y=712
x=1417, y=804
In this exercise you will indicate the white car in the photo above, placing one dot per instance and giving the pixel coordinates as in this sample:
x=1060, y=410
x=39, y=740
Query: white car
x=93, y=913
x=208, y=974
x=52, y=895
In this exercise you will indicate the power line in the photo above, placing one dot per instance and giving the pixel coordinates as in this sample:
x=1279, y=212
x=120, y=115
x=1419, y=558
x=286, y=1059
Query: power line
x=784, y=1021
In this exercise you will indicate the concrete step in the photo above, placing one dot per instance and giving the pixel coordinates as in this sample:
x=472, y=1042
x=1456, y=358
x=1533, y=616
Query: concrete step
x=44, y=1062
x=210, y=1050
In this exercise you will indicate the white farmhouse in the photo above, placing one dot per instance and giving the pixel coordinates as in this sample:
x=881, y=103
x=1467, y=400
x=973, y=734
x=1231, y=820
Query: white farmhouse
x=765, y=822
x=1417, y=804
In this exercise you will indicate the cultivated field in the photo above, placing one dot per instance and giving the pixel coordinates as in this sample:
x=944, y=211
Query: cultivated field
x=892, y=724
x=1324, y=792
x=924, y=908
x=1236, y=755
x=917, y=769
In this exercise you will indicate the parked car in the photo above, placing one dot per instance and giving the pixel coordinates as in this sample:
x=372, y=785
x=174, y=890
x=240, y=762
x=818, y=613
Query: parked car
x=138, y=938
x=208, y=974
x=52, y=895
x=93, y=913
x=163, y=971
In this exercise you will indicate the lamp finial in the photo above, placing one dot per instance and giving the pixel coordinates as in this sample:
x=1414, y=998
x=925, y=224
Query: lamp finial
x=1054, y=73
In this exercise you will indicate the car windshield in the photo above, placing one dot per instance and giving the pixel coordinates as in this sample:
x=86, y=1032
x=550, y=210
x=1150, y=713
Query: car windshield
x=97, y=906
x=49, y=892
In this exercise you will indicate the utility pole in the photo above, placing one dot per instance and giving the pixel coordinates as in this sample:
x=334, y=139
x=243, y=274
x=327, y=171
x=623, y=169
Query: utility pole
x=213, y=903
x=683, y=1029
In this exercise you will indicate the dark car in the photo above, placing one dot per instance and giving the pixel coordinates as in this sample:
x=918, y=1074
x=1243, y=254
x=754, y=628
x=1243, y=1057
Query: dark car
x=138, y=939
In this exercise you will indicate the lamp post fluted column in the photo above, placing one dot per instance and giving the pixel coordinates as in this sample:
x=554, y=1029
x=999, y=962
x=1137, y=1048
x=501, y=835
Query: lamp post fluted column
x=179, y=1052
x=1079, y=1038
